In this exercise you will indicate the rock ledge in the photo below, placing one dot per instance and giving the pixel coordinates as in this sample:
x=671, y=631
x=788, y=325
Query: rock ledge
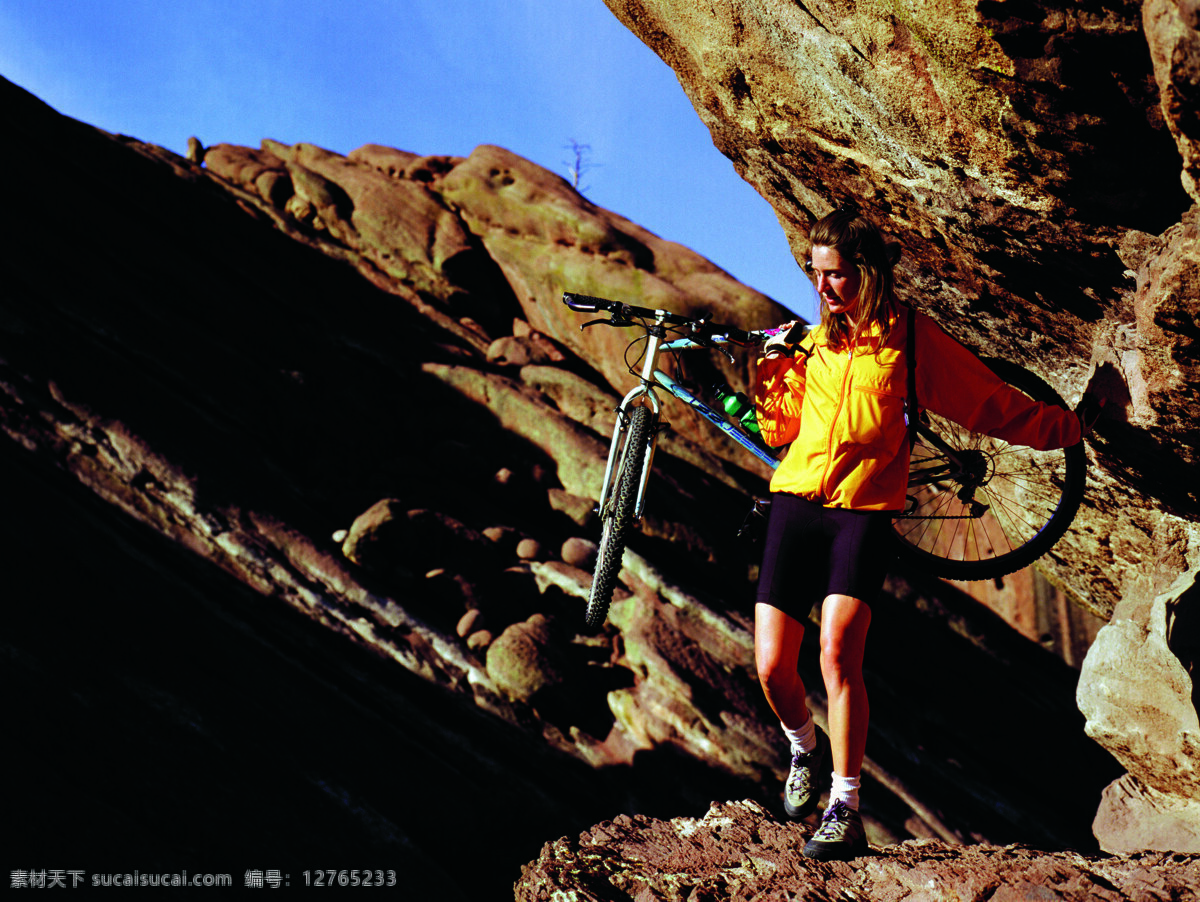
x=738, y=851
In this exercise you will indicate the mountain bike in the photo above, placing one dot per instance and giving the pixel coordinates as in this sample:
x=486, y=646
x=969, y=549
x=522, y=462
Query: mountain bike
x=977, y=507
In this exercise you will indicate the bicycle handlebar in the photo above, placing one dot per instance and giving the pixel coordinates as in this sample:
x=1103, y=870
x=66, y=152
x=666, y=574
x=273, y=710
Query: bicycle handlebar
x=622, y=313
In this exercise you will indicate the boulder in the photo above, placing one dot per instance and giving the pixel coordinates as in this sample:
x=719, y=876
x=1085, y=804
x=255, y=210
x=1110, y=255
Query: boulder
x=470, y=622
x=581, y=510
x=386, y=536
x=521, y=661
x=1138, y=693
x=579, y=552
x=378, y=534
x=529, y=549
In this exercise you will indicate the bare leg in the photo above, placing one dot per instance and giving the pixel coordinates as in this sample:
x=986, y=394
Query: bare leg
x=844, y=622
x=776, y=651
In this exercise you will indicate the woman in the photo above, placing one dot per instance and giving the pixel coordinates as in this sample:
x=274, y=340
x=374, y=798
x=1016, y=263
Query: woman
x=838, y=398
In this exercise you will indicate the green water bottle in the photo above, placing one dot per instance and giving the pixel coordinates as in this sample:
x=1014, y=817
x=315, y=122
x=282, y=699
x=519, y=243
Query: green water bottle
x=738, y=406
x=749, y=421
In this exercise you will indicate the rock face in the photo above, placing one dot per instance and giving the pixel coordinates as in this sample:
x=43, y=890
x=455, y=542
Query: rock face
x=737, y=851
x=1146, y=659
x=1173, y=34
x=1038, y=162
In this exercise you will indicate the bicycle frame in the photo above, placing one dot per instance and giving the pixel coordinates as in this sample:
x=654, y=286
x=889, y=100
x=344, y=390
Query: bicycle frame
x=651, y=377
x=954, y=465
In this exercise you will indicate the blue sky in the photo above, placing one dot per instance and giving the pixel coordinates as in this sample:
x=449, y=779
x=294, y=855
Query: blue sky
x=428, y=76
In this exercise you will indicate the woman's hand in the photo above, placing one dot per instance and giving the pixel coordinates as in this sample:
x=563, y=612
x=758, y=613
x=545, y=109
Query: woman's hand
x=777, y=345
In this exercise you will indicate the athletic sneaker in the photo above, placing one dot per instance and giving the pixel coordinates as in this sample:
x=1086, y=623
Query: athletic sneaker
x=840, y=837
x=809, y=775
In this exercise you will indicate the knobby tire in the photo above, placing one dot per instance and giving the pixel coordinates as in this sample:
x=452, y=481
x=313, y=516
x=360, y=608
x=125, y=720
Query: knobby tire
x=618, y=517
x=1032, y=497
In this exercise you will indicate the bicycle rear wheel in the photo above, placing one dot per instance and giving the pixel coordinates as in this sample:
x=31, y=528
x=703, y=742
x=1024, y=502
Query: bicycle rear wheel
x=617, y=517
x=1001, y=508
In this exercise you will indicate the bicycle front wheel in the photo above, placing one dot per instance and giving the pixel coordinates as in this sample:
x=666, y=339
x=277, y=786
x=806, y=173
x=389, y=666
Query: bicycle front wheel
x=617, y=517
x=979, y=507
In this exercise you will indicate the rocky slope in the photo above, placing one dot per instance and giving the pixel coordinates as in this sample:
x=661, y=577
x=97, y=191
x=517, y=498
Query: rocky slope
x=233, y=357
x=193, y=372
x=737, y=852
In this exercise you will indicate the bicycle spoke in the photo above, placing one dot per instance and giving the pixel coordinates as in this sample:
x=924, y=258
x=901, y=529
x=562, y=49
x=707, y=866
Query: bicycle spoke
x=984, y=507
x=1017, y=513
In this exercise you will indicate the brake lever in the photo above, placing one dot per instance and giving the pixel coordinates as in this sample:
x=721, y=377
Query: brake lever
x=614, y=321
x=707, y=340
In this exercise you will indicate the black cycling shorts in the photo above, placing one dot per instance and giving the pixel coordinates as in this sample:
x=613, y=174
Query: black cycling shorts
x=812, y=552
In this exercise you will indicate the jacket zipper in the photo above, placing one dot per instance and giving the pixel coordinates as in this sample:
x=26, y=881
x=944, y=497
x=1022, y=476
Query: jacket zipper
x=832, y=423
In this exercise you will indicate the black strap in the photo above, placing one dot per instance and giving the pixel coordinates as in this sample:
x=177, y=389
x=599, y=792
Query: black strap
x=910, y=354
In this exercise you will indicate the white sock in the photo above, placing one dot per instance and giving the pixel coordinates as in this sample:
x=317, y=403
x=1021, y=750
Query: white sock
x=804, y=740
x=844, y=789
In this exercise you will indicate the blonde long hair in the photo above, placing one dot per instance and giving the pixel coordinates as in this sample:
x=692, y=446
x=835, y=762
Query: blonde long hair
x=861, y=244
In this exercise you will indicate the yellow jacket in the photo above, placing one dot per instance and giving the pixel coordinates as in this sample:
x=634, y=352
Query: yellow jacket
x=843, y=412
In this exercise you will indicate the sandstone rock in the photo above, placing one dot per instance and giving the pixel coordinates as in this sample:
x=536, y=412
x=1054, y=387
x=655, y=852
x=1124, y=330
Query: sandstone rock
x=470, y=622
x=575, y=396
x=391, y=161
x=529, y=549
x=570, y=579
x=580, y=552
x=377, y=534
x=1133, y=817
x=480, y=640
x=1139, y=699
x=384, y=218
x=736, y=852
x=504, y=536
x=500, y=196
x=475, y=329
x=510, y=351
x=522, y=661
x=513, y=350
x=400, y=164
x=1173, y=33
x=243, y=165
x=195, y=150
x=545, y=349
x=386, y=535
x=578, y=454
x=1167, y=355
x=581, y=510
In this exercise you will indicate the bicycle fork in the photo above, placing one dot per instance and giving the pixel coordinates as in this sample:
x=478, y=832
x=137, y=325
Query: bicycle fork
x=618, y=458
